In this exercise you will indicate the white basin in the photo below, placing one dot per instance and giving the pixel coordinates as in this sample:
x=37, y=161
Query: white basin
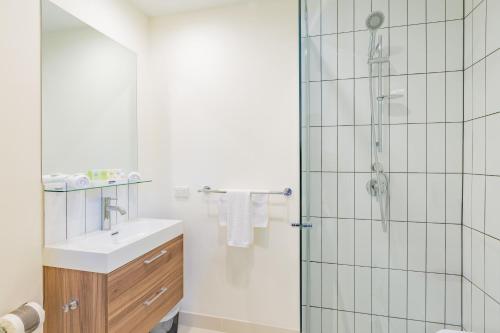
x=105, y=251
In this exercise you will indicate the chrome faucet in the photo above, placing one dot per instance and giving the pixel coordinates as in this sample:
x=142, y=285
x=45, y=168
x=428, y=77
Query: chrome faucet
x=106, y=212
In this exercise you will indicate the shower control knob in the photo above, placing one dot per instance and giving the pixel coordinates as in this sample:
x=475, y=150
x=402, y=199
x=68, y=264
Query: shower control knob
x=375, y=188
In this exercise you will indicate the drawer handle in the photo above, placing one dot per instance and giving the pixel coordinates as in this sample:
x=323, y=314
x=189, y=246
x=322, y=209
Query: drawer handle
x=161, y=254
x=155, y=297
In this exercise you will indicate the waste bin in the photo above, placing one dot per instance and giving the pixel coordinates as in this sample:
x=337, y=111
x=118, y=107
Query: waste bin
x=170, y=322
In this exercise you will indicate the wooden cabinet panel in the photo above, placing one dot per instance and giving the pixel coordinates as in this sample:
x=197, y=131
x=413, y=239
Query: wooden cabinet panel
x=55, y=296
x=132, y=298
x=90, y=290
x=139, y=317
x=63, y=285
x=137, y=278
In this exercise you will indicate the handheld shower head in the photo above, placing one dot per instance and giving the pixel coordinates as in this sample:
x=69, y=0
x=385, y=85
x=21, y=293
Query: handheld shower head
x=374, y=21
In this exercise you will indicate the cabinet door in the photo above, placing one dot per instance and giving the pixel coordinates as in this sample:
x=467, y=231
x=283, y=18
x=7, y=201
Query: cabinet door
x=61, y=286
x=54, y=298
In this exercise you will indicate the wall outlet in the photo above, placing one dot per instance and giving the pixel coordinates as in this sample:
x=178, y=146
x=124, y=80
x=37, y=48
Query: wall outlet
x=181, y=192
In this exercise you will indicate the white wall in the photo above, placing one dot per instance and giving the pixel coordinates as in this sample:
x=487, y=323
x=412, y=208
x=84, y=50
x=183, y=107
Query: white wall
x=20, y=194
x=481, y=190
x=226, y=100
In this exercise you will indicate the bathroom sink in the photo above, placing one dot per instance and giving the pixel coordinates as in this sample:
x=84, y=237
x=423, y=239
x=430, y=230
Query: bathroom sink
x=105, y=251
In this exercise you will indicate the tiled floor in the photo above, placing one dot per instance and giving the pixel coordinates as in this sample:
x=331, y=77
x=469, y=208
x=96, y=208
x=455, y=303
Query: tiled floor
x=185, y=329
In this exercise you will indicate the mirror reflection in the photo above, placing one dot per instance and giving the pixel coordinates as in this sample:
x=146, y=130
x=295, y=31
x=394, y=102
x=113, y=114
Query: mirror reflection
x=89, y=97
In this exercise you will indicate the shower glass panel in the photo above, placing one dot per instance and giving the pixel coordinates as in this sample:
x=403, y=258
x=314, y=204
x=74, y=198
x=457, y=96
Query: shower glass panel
x=305, y=117
x=381, y=188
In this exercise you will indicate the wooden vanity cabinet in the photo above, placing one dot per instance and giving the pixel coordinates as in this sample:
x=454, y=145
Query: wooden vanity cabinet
x=132, y=298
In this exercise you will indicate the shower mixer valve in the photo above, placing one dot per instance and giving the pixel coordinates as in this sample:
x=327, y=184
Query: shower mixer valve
x=375, y=188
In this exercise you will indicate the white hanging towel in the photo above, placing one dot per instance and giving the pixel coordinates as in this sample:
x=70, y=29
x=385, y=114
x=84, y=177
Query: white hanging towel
x=239, y=224
x=259, y=210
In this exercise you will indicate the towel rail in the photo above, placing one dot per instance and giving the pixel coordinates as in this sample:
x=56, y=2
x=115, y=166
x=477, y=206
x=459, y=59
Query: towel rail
x=286, y=191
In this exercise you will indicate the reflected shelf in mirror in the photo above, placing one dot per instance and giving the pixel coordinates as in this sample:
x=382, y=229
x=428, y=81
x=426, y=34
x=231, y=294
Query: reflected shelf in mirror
x=63, y=189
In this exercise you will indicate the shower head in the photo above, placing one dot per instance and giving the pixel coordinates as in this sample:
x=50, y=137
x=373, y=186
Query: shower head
x=374, y=21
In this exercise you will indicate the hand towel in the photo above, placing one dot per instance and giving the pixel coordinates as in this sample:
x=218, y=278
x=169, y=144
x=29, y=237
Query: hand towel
x=259, y=210
x=239, y=226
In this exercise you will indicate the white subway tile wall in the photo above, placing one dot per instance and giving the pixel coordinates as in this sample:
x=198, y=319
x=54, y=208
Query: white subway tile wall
x=72, y=214
x=407, y=279
x=481, y=193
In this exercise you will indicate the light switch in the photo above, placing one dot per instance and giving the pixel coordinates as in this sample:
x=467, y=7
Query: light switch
x=181, y=192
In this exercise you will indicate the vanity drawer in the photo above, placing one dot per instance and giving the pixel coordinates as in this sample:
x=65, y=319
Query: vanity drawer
x=141, y=277
x=143, y=314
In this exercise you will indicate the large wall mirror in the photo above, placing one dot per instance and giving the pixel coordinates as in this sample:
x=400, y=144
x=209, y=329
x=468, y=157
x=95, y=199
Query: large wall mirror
x=89, y=97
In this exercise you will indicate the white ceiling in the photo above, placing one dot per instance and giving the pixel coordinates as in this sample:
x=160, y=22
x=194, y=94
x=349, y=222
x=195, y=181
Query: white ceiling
x=164, y=7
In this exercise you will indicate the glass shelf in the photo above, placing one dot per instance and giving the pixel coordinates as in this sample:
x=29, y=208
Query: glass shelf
x=94, y=186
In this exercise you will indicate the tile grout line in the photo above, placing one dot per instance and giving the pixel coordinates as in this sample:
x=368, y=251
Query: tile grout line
x=354, y=155
x=472, y=157
x=485, y=158
x=337, y=160
x=463, y=169
x=445, y=159
x=426, y=159
x=388, y=214
x=407, y=161
x=321, y=155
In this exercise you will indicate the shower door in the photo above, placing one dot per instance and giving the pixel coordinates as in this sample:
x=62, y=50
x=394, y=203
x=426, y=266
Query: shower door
x=399, y=272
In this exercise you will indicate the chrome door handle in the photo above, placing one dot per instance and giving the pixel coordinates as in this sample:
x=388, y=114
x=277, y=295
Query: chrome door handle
x=155, y=297
x=303, y=225
x=161, y=254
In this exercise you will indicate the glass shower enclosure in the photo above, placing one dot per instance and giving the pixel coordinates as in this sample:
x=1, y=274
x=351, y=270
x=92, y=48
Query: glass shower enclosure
x=381, y=192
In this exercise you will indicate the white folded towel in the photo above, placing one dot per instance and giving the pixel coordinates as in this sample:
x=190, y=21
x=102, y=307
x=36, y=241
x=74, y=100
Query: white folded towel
x=239, y=226
x=60, y=181
x=134, y=176
x=259, y=210
x=55, y=187
x=54, y=178
x=78, y=181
